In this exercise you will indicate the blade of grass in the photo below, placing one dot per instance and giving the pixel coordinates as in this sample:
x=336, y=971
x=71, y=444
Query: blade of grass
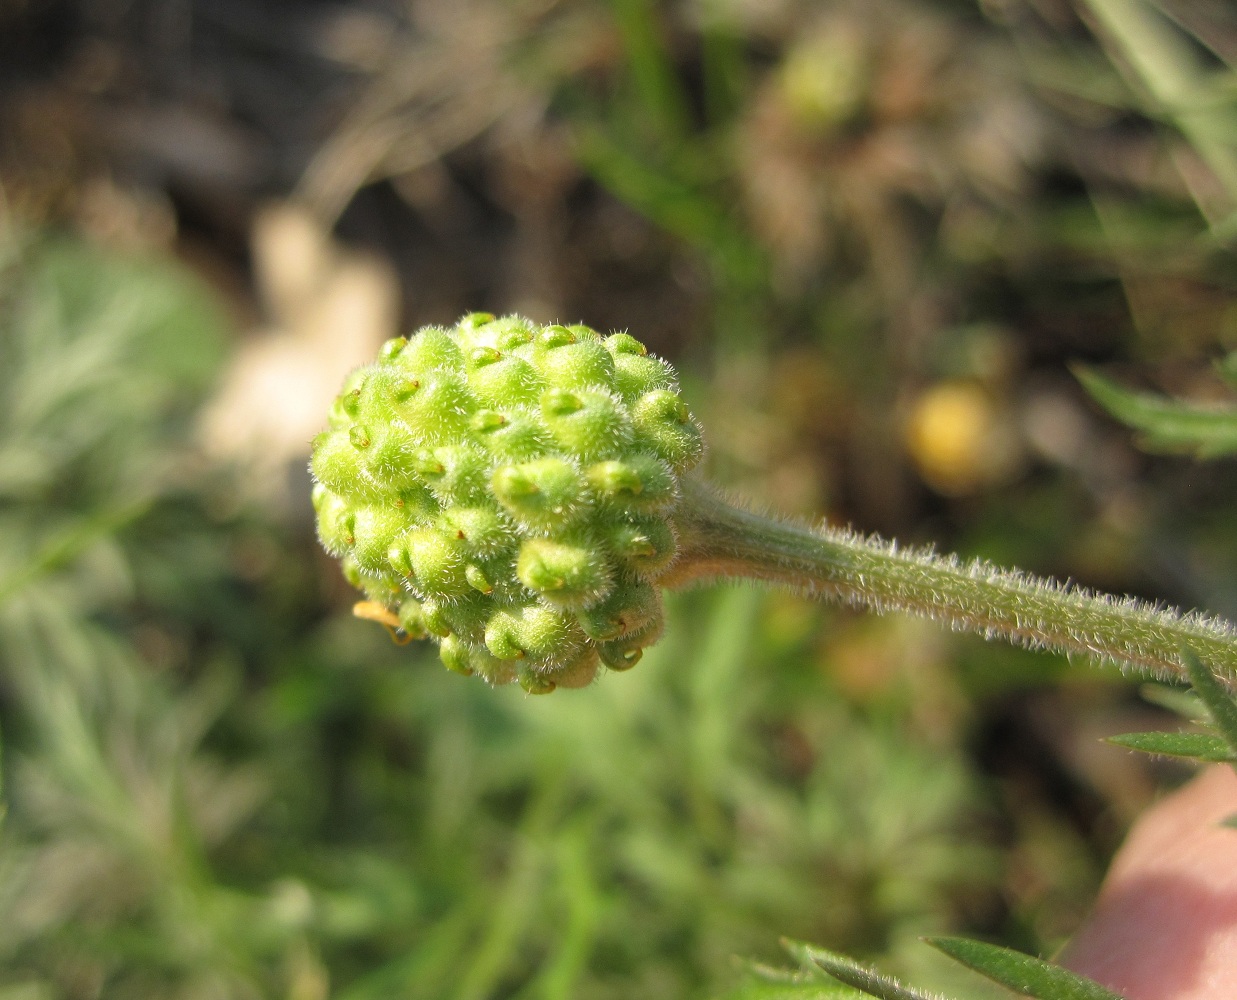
x=1195, y=746
x=1154, y=49
x=71, y=541
x=1220, y=705
x=1032, y=977
x=654, y=75
x=855, y=975
x=1165, y=424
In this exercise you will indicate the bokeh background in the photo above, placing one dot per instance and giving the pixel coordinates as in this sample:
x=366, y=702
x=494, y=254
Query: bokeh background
x=873, y=235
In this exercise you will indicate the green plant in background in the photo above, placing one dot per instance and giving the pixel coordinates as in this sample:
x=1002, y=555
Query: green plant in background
x=1215, y=709
x=103, y=360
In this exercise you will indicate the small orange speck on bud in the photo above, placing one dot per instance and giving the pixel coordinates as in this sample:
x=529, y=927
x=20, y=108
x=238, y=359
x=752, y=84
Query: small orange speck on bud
x=374, y=612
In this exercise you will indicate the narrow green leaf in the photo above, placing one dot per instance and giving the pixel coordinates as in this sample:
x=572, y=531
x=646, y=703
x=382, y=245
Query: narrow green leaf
x=1030, y=976
x=1197, y=746
x=1176, y=699
x=1215, y=696
x=657, y=85
x=66, y=544
x=1165, y=424
x=767, y=982
x=856, y=976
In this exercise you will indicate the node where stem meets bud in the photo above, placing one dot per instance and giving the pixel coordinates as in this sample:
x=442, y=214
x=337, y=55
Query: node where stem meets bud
x=521, y=495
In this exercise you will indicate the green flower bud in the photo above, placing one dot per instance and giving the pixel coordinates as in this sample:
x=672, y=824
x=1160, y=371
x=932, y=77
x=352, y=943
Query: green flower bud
x=375, y=530
x=388, y=457
x=483, y=530
x=534, y=683
x=411, y=620
x=477, y=579
x=644, y=546
x=431, y=349
x=509, y=490
x=628, y=610
x=636, y=372
x=475, y=320
x=570, y=574
x=352, y=572
x=546, y=637
x=336, y=521
x=337, y=466
x=502, y=380
x=344, y=410
x=625, y=344
x=380, y=393
x=586, y=423
x=455, y=655
x=637, y=483
x=455, y=473
x=665, y=426
x=503, y=636
x=391, y=349
x=625, y=653
x=575, y=363
x=434, y=617
x=438, y=408
x=437, y=559
x=507, y=333
x=517, y=435
x=546, y=493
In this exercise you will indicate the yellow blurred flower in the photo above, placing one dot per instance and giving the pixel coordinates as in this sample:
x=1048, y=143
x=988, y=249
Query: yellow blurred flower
x=959, y=439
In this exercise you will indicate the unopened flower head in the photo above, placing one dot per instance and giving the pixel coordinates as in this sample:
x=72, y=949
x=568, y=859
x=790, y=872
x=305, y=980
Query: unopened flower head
x=507, y=489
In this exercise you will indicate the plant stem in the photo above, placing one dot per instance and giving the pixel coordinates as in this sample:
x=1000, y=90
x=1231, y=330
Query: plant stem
x=718, y=540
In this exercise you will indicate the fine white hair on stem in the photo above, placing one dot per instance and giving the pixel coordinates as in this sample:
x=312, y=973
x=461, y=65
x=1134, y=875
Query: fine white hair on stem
x=720, y=540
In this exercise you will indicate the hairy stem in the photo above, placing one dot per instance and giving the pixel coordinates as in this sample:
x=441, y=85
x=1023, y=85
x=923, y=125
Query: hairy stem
x=718, y=540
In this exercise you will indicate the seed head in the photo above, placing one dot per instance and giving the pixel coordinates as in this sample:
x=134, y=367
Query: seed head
x=507, y=489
